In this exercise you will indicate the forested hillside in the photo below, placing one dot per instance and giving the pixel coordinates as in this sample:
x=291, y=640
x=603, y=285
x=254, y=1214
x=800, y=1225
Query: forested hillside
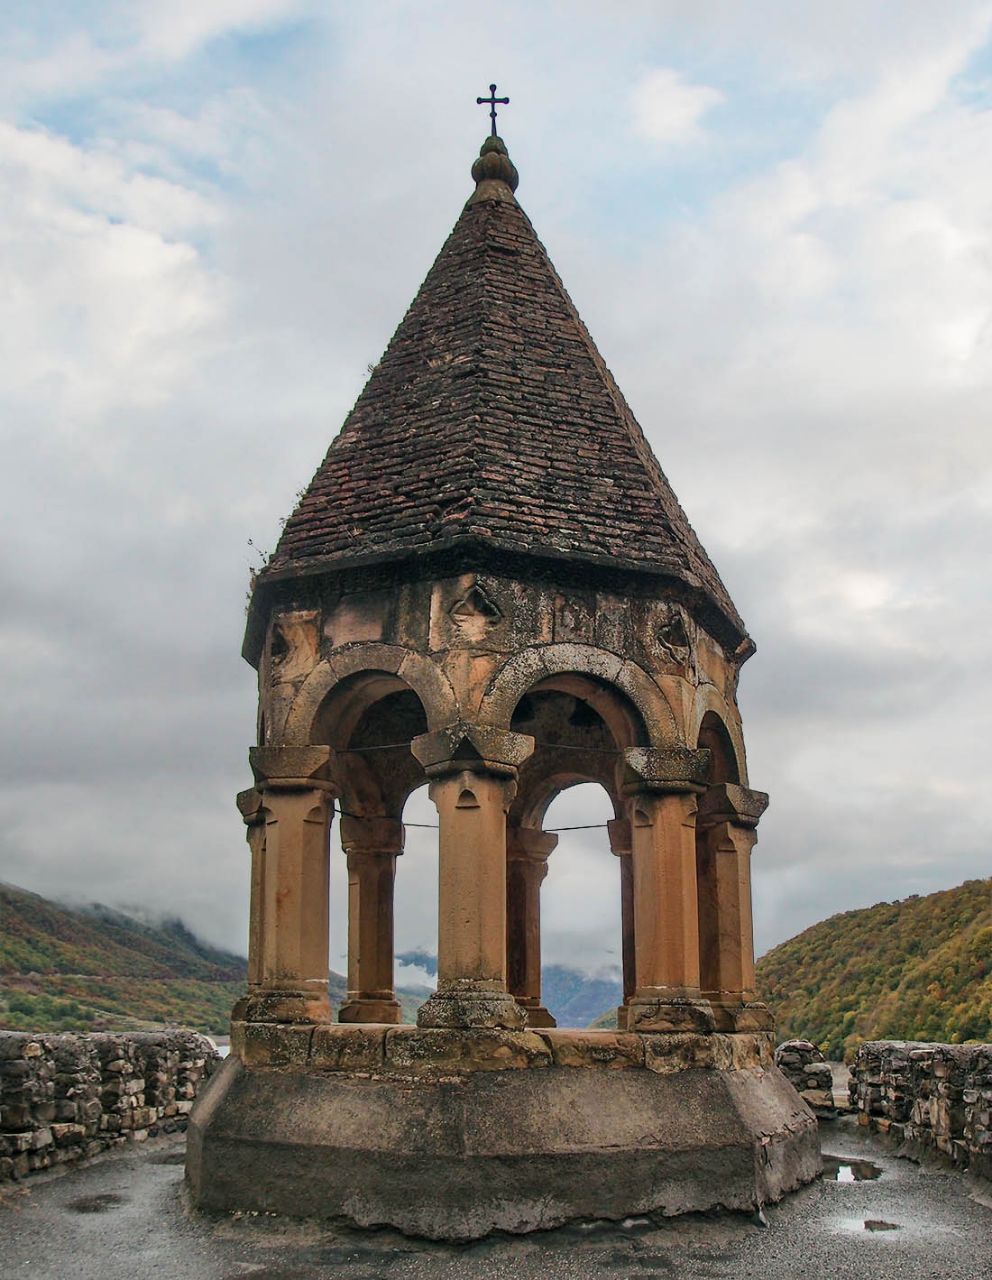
x=98, y=969
x=919, y=969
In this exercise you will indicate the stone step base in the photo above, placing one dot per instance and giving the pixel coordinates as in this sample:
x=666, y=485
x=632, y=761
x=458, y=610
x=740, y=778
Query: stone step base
x=459, y=1156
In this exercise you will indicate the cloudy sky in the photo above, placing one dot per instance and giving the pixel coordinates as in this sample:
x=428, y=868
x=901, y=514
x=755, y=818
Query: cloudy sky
x=776, y=219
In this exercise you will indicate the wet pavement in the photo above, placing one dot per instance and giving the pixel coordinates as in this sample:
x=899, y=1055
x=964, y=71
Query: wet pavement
x=125, y=1216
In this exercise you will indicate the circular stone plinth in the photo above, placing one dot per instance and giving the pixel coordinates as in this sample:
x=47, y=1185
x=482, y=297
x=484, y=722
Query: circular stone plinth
x=442, y=1149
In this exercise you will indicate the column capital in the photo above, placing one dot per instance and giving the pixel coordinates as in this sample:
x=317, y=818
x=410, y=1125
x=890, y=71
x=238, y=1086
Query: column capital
x=529, y=844
x=250, y=805
x=665, y=769
x=621, y=840
x=651, y=808
x=291, y=768
x=370, y=836
x=728, y=802
x=474, y=747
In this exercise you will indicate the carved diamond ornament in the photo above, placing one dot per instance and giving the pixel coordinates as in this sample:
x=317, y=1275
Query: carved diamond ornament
x=475, y=605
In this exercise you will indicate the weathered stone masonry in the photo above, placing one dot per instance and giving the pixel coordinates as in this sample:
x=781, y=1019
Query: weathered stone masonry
x=929, y=1098
x=808, y=1071
x=66, y=1097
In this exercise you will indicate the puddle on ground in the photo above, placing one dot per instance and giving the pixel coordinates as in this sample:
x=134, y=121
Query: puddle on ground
x=844, y=1169
x=96, y=1204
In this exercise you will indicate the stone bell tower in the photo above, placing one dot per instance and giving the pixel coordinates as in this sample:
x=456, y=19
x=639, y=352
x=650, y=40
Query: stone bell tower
x=490, y=586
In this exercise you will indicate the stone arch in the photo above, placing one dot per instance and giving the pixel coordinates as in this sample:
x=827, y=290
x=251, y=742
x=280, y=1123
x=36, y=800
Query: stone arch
x=530, y=666
x=413, y=670
x=367, y=702
x=536, y=797
x=709, y=704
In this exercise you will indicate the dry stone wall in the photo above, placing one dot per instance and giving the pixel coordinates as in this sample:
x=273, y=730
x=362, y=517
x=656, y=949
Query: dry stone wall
x=808, y=1071
x=64, y=1097
x=929, y=1097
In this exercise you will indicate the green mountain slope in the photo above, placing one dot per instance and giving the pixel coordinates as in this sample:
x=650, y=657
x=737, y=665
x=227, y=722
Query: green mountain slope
x=96, y=969
x=919, y=969
x=42, y=937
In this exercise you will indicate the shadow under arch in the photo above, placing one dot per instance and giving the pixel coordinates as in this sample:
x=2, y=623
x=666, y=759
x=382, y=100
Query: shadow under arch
x=656, y=721
x=711, y=713
x=307, y=720
x=714, y=737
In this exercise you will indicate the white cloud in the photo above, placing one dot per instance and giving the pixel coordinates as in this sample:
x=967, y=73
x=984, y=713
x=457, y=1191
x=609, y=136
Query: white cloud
x=194, y=282
x=668, y=109
x=176, y=30
x=103, y=294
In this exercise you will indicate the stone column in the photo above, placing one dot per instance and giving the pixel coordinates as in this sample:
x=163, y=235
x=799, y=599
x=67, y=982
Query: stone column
x=251, y=807
x=663, y=789
x=527, y=853
x=621, y=846
x=371, y=846
x=289, y=832
x=472, y=771
x=727, y=821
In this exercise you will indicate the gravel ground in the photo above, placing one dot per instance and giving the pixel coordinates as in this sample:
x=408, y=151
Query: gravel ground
x=124, y=1216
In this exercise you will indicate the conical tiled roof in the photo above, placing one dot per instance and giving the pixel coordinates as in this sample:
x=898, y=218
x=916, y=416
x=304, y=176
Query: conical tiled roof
x=492, y=419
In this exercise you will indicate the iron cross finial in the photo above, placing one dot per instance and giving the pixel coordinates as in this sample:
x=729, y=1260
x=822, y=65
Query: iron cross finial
x=491, y=102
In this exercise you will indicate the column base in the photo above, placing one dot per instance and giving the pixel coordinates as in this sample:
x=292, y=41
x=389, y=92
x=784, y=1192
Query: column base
x=738, y=1013
x=660, y=1010
x=537, y=1015
x=364, y=1009
x=283, y=1006
x=468, y=1005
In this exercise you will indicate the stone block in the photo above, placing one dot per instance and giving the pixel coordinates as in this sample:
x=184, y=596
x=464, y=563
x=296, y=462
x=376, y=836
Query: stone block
x=748, y=1050
x=595, y=1048
x=443, y=1050
x=275, y=1044
x=348, y=1047
x=65, y=1134
x=667, y=1054
x=674, y=1015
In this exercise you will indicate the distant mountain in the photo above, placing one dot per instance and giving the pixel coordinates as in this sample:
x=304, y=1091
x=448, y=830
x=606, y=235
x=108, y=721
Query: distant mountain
x=93, y=968
x=575, y=999
x=916, y=969
x=572, y=997
x=40, y=936
x=97, y=969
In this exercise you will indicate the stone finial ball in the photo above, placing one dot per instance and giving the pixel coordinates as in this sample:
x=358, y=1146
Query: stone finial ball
x=495, y=164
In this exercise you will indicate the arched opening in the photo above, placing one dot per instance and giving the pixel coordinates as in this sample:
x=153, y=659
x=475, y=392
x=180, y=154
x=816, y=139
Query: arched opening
x=369, y=719
x=718, y=909
x=715, y=738
x=581, y=916
x=578, y=951
x=416, y=905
